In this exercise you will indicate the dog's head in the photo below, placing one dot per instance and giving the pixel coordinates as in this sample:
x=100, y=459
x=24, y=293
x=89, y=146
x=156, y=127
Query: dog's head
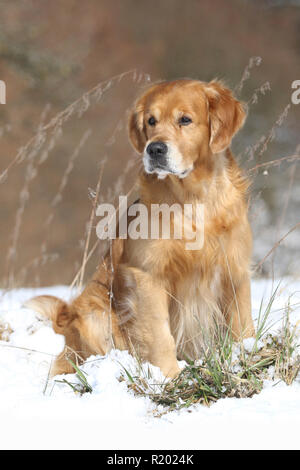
x=176, y=123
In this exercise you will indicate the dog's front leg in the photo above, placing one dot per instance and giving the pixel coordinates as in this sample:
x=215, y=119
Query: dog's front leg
x=142, y=308
x=238, y=308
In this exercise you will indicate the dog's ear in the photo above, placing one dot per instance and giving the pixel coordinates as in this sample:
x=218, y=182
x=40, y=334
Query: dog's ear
x=226, y=115
x=136, y=128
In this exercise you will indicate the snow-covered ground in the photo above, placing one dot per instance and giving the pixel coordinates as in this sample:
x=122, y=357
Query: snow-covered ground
x=37, y=413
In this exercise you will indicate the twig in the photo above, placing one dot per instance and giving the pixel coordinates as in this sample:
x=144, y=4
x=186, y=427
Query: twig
x=26, y=349
x=290, y=158
x=92, y=216
x=79, y=106
x=258, y=266
x=253, y=61
x=96, y=245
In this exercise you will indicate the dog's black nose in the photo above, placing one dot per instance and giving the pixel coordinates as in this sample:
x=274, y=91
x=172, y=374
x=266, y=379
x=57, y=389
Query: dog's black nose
x=157, y=150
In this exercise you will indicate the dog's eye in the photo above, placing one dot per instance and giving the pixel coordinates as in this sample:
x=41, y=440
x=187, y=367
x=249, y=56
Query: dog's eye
x=152, y=121
x=184, y=121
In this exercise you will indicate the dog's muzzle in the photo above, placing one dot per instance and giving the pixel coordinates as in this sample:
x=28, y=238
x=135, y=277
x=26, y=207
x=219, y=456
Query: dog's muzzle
x=164, y=159
x=157, y=152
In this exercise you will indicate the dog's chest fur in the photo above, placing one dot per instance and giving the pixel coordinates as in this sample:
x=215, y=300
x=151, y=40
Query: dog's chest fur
x=195, y=312
x=193, y=281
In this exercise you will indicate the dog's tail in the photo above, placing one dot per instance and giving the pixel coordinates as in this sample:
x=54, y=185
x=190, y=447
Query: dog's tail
x=57, y=310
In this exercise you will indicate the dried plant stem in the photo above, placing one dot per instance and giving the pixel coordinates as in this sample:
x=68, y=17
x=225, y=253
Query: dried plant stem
x=259, y=148
x=30, y=175
x=94, y=247
x=90, y=226
x=288, y=197
x=79, y=107
x=258, y=266
x=253, y=61
x=26, y=349
x=278, y=161
x=261, y=90
x=272, y=134
x=58, y=195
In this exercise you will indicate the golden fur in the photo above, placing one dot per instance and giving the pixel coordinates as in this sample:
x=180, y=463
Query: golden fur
x=169, y=301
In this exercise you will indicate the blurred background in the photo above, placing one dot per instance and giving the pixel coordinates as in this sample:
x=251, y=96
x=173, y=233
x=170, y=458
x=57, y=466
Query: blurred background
x=72, y=71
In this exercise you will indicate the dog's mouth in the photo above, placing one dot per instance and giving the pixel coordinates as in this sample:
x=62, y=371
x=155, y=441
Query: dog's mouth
x=156, y=168
x=163, y=170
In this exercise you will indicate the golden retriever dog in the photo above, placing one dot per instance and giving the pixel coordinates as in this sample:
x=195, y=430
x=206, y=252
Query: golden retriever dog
x=153, y=296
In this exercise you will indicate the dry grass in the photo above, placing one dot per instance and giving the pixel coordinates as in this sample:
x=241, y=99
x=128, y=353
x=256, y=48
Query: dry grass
x=36, y=152
x=227, y=369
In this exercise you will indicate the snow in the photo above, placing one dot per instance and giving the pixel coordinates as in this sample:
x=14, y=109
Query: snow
x=37, y=413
